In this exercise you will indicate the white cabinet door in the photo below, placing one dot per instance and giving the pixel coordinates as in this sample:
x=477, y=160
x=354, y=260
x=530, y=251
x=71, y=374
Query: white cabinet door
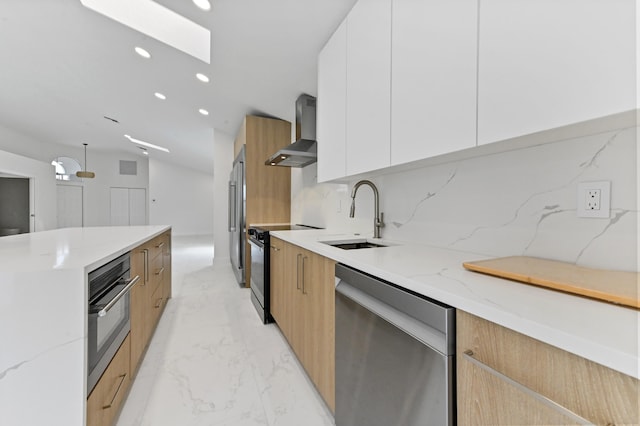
x=434, y=65
x=332, y=101
x=548, y=63
x=368, y=86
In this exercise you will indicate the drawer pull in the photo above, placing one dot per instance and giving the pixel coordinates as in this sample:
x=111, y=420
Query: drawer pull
x=160, y=245
x=146, y=266
x=275, y=248
x=160, y=271
x=304, y=290
x=159, y=303
x=109, y=405
x=468, y=355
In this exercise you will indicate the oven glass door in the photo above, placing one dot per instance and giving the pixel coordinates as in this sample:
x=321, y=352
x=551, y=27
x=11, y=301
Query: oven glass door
x=107, y=331
x=258, y=270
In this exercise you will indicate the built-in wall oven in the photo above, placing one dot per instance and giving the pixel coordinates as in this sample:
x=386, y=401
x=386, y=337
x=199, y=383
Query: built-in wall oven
x=395, y=354
x=108, y=314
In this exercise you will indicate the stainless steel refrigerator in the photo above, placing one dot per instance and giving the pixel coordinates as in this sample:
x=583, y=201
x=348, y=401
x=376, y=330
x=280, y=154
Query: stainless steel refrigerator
x=237, y=204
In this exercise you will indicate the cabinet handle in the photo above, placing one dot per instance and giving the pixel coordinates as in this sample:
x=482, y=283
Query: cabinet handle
x=298, y=271
x=468, y=355
x=275, y=248
x=159, y=303
x=160, y=245
x=160, y=271
x=146, y=266
x=109, y=405
x=303, y=289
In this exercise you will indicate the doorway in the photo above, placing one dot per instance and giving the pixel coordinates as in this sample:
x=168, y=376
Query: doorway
x=14, y=205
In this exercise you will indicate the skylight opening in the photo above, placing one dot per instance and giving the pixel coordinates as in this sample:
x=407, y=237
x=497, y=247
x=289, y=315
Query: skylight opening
x=158, y=22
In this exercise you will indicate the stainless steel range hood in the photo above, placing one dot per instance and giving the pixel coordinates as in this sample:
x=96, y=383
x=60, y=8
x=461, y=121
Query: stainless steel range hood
x=304, y=150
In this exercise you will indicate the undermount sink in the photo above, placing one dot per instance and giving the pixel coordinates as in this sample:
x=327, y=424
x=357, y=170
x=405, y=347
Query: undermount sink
x=353, y=244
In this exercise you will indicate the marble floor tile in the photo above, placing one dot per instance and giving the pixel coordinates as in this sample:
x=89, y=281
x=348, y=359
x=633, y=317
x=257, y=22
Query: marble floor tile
x=212, y=362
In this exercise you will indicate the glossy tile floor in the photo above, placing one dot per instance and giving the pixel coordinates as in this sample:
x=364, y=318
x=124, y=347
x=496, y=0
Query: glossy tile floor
x=211, y=360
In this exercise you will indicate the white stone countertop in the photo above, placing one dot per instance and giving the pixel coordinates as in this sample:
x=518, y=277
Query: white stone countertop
x=601, y=332
x=43, y=318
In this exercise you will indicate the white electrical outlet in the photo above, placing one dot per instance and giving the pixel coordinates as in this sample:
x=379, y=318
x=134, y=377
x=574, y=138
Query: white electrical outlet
x=594, y=199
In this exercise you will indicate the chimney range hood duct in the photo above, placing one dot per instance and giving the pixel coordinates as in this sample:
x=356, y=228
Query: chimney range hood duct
x=304, y=150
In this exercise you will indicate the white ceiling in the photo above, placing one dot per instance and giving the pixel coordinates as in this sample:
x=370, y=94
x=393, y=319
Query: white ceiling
x=64, y=67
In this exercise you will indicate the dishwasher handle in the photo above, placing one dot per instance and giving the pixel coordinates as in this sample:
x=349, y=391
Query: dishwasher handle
x=435, y=339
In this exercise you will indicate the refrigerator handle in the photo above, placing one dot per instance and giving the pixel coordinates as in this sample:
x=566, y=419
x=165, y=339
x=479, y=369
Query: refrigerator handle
x=232, y=206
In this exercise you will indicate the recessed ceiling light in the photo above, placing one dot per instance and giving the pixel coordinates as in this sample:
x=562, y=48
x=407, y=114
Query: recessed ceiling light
x=203, y=78
x=160, y=96
x=140, y=51
x=202, y=4
x=203, y=111
x=150, y=145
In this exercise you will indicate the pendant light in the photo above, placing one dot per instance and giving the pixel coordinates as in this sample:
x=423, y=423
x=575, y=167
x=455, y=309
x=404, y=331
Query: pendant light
x=85, y=173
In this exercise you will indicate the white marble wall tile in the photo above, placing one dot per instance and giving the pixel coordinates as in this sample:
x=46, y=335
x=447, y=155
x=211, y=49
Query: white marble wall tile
x=519, y=202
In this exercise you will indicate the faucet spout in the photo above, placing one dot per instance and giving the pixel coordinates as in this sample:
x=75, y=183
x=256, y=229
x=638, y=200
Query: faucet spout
x=377, y=220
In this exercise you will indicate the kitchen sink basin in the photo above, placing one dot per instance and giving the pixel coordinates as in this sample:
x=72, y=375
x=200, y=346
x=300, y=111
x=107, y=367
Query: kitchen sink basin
x=353, y=244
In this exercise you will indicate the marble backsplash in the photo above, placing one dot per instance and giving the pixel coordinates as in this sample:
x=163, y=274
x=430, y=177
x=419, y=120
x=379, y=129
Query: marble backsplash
x=519, y=202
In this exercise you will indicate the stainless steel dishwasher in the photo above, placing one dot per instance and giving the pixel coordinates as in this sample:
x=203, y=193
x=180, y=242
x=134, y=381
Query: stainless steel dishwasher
x=395, y=355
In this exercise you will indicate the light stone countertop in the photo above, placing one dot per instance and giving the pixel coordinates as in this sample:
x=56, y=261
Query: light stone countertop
x=43, y=318
x=601, y=332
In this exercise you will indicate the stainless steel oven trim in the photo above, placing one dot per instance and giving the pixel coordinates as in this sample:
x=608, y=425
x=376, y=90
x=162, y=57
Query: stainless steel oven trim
x=101, y=310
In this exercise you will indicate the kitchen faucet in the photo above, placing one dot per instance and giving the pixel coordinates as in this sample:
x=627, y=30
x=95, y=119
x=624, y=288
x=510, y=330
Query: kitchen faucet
x=377, y=220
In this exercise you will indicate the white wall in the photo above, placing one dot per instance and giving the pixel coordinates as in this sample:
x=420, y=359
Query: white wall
x=180, y=197
x=106, y=166
x=521, y=202
x=223, y=162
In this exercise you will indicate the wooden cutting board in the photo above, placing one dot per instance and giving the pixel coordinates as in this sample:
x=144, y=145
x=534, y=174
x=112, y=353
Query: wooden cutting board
x=622, y=288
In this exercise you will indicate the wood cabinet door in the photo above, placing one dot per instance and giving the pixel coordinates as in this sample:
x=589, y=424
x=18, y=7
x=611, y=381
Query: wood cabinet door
x=138, y=333
x=319, y=294
x=545, y=64
x=106, y=399
x=277, y=282
x=504, y=378
x=433, y=78
x=332, y=104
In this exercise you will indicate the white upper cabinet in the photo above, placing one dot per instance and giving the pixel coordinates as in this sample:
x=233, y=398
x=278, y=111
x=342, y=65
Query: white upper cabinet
x=549, y=63
x=368, y=86
x=434, y=66
x=331, y=108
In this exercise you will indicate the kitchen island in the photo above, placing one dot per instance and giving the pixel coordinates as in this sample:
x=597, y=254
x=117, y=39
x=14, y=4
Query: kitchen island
x=604, y=333
x=43, y=318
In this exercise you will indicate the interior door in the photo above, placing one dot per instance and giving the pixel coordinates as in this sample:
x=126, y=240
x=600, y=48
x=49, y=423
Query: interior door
x=119, y=206
x=70, y=207
x=137, y=206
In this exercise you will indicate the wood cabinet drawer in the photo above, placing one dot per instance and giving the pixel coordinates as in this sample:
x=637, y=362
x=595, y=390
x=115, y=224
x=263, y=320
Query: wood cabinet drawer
x=156, y=272
x=106, y=399
x=491, y=358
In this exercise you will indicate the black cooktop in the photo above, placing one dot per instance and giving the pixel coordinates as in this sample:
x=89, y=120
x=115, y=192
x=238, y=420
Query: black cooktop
x=282, y=227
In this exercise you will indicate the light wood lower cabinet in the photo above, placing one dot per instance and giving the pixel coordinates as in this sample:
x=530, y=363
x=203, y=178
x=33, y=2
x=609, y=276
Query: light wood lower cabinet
x=303, y=305
x=151, y=261
x=506, y=378
x=106, y=398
